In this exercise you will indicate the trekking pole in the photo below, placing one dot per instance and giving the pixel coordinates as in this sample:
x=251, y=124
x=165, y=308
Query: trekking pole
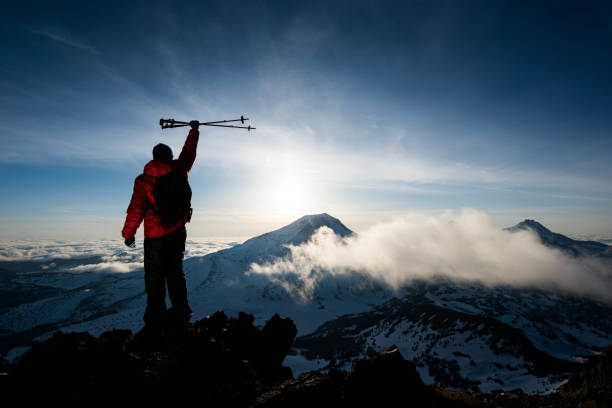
x=171, y=123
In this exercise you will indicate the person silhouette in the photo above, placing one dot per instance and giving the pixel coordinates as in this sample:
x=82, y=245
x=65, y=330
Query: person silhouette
x=164, y=244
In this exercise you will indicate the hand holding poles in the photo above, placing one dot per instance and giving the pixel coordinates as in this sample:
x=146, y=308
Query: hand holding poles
x=171, y=123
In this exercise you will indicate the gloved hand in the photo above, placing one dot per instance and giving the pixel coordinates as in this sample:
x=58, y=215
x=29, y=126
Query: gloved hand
x=131, y=242
x=194, y=124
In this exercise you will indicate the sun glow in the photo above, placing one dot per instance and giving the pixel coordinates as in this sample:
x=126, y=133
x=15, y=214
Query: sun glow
x=287, y=194
x=287, y=190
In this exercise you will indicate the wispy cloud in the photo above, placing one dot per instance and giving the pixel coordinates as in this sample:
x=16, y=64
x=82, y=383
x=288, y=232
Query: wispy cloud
x=62, y=37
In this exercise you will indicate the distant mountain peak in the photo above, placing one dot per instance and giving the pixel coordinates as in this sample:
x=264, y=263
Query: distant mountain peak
x=302, y=229
x=560, y=241
x=321, y=220
x=322, y=216
x=531, y=224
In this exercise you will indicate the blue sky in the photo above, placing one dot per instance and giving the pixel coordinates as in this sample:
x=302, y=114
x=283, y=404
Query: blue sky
x=363, y=110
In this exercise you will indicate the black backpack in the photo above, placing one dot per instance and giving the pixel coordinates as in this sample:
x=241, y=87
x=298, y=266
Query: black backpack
x=172, y=196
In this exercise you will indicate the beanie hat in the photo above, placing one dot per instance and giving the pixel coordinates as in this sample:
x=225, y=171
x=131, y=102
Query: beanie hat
x=161, y=151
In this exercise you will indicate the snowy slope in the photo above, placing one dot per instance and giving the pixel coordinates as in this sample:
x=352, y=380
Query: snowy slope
x=471, y=336
x=565, y=326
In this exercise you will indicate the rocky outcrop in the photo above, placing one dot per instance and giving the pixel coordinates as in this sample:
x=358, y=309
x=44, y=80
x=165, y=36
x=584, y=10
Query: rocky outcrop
x=592, y=384
x=595, y=373
x=313, y=389
x=384, y=380
x=390, y=376
x=217, y=361
x=220, y=360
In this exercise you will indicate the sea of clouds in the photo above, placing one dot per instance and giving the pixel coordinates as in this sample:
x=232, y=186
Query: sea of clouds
x=463, y=246
x=92, y=255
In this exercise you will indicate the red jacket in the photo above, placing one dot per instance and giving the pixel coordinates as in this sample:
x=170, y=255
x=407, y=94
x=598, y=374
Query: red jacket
x=142, y=203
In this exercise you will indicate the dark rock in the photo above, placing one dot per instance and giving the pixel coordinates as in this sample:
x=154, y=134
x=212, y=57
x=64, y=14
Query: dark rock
x=221, y=361
x=384, y=376
x=277, y=338
x=117, y=338
x=73, y=365
x=386, y=379
x=595, y=373
x=211, y=361
x=312, y=389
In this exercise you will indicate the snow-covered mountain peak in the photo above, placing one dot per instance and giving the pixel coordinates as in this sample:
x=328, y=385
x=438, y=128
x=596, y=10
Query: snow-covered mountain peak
x=301, y=230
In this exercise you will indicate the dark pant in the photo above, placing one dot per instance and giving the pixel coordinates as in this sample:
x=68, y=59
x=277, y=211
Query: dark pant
x=163, y=262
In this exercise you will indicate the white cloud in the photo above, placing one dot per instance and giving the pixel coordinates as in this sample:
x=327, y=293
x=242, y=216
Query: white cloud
x=45, y=250
x=112, y=267
x=111, y=255
x=463, y=246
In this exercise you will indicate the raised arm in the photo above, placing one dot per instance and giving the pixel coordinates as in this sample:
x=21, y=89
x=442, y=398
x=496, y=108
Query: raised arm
x=188, y=154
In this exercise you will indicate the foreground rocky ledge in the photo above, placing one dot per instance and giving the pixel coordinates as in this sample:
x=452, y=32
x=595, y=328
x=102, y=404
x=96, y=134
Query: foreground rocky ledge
x=221, y=361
